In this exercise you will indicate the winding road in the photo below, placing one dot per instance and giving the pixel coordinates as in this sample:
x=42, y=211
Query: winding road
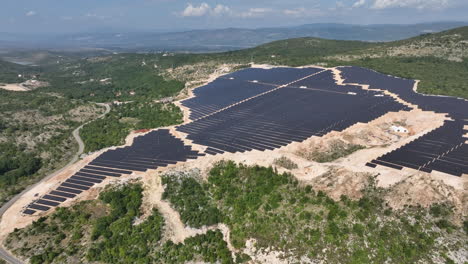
x=4, y=254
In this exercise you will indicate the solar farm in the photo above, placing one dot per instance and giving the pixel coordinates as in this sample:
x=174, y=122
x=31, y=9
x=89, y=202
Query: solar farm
x=267, y=109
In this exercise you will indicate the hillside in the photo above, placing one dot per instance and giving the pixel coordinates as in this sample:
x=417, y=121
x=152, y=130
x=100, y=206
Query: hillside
x=229, y=208
x=217, y=40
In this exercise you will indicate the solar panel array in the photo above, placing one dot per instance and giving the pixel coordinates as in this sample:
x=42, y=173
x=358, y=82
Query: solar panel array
x=156, y=149
x=239, y=86
x=443, y=149
x=312, y=106
x=259, y=109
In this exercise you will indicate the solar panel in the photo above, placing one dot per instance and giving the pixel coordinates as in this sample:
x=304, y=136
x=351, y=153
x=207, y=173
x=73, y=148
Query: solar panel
x=39, y=207
x=68, y=190
x=89, y=175
x=63, y=194
x=54, y=198
x=75, y=186
x=74, y=181
x=107, y=170
x=45, y=202
x=86, y=179
x=29, y=212
x=100, y=172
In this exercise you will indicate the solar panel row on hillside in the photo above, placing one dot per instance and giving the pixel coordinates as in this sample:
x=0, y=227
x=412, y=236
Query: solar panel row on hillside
x=286, y=115
x=240, y=85
x=155, y=149
x=443, y=149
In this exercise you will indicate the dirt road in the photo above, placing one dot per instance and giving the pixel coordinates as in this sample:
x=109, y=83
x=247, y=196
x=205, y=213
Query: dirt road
x=76, y=134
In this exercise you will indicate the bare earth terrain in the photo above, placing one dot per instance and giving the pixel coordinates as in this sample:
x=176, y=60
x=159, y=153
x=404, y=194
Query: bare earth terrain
x=17, y=87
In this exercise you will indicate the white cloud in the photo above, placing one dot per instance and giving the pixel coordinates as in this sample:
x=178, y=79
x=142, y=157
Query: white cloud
x=359, y=3
x=221, y=9
x=196, y=11
x=31, y=13
x=204, y=9
x=255, y=12
x=302, y=12
x=420, y=4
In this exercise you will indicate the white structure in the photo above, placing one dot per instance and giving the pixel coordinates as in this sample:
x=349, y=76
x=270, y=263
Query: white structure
x=352, y=93
x=399, y=129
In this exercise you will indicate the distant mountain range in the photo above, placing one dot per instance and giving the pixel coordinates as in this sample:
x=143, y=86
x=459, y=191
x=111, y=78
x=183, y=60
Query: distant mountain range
x=220, y=39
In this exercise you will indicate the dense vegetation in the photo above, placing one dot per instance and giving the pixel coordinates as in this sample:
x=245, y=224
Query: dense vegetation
x=115, y=126
x=191, y=199
x=124, y=78
x=105, y=231
x=16, y=163
x=9, y=72
x=257, y=202
x=35, y=136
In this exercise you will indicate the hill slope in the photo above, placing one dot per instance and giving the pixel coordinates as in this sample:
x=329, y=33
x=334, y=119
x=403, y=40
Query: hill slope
x=222, y=39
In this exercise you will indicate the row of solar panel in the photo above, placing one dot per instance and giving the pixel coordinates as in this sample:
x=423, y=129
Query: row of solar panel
x=283, y=116
x=155, y=149
x=238, y=86
x=76, y=184
x=457, y=108
x=442, y=149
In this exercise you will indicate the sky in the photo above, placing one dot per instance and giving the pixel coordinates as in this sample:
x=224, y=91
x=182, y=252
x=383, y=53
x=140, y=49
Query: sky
x=70, y=16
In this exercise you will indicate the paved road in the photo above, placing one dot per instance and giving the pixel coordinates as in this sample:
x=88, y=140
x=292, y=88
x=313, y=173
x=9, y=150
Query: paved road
x=76, y=134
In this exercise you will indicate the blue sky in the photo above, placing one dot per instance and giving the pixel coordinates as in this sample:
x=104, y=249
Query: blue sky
x=171, y=15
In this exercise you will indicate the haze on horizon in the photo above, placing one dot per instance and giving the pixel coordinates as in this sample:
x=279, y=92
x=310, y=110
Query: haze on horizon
x=58, y=16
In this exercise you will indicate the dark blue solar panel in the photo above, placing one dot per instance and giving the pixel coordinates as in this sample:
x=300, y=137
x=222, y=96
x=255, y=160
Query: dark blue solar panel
x=29, y=212
x=39, y=207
